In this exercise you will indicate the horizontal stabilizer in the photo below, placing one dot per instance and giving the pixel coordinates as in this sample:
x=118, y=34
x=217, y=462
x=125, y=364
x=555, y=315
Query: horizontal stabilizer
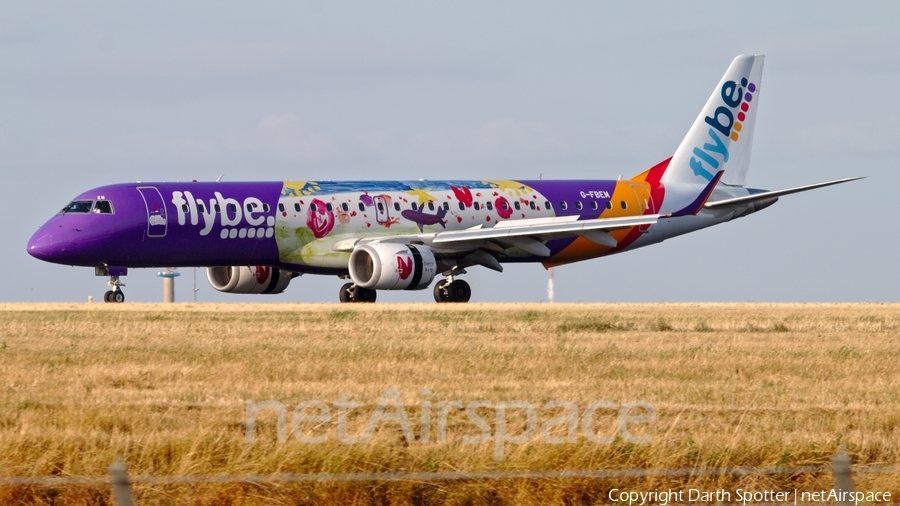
x=771, y=194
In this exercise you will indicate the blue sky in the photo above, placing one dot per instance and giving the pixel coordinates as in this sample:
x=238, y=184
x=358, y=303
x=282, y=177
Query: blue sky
x=100, y=92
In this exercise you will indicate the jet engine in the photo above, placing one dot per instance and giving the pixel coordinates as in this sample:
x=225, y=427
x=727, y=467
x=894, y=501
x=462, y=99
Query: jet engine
x=249, y=279
x=392, y=266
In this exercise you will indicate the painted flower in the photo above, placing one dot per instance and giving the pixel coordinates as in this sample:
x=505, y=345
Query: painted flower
x=319, y=219
x=503, y=208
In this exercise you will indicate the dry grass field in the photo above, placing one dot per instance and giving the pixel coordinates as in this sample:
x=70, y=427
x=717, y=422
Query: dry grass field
x=165, y=387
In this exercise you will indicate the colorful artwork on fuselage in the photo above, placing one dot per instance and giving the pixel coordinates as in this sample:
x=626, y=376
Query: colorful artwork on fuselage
x=308, y=227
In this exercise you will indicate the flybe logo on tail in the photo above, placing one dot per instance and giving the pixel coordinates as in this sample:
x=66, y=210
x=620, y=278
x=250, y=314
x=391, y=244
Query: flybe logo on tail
x=725, y=124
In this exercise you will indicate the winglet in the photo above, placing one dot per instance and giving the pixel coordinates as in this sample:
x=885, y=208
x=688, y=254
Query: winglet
x=695, y=206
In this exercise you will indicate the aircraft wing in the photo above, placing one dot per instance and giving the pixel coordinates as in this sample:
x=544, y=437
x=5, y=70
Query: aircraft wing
x=528, y=234
x=771, y=194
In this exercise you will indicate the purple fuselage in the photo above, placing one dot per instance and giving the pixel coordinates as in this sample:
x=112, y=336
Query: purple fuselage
x=294, y=225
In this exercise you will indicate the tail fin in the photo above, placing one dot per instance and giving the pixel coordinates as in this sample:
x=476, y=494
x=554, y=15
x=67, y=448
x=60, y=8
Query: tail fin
x=721, y=137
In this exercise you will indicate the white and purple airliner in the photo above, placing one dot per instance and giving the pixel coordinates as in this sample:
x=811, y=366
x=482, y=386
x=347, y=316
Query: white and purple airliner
x=255, y=237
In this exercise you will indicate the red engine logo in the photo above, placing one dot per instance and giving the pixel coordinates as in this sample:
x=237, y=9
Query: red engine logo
x=262, y=273
x=404, y=267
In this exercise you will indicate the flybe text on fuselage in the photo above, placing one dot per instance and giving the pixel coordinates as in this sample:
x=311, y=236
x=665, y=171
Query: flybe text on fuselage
x=725, y=128
x=237, y=219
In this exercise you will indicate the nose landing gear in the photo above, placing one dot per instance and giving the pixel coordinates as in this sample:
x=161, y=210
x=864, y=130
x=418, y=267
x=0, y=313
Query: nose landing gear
x=116, y=294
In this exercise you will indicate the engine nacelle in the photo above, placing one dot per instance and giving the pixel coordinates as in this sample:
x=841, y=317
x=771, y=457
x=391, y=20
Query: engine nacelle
x=244, y=279
x=392, y=266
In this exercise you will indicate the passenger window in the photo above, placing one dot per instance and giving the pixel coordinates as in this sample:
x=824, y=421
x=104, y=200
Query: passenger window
x=184, y=207
x=103, y=207
x=489, y=206
x=504, y=205
x=563, y=205
x=345, y=207
x=380, y=207
x=477, y=205
x=594, y=204
x=362, y=206
x=446, y=206
x=297, y=206
x=232, y=208
x=249, y=208
x=624, y=205
x=201, y=207
x=531, y=205
x=462, y=207
x=547, y=205
x=609, y=204
x=218, y=209
x=328, y=207
x=516, y=205
x=430, y=205
x=578, y=205
x=396, y=206
x=281, y=207
x=414, y=206
x=313, y=207
x=265, y=208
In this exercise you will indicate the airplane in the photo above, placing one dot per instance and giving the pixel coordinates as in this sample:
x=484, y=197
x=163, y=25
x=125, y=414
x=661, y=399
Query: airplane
x=256, y=237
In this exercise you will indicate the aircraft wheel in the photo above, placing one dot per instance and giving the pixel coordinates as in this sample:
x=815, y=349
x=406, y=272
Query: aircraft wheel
x=365, y=294
x=117, y=296
x=107, y=297
x=441, y=294
x=348, y=292
x=459, y=291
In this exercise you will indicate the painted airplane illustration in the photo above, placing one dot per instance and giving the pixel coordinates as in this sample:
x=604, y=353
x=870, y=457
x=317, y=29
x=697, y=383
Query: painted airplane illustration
x=422, y=218
x=256, y=237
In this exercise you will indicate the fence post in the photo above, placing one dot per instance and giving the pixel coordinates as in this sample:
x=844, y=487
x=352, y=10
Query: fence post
x=843, y=476
x=118, y=476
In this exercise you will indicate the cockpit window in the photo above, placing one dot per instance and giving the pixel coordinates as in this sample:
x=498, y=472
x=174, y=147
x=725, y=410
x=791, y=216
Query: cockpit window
x=78, y=206
x=103, y=207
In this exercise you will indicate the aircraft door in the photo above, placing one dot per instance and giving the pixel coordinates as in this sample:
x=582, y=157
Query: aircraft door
x=381, y=210
x=157, y=223
x=645, y=203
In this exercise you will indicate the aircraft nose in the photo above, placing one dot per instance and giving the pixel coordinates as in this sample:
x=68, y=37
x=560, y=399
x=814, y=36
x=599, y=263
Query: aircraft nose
x=40, y=245
x=44, y=246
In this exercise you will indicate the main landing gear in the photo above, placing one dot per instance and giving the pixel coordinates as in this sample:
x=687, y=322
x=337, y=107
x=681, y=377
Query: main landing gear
x=116, y=294
x=452, y=290
x=352, y=293
x=445, y=290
